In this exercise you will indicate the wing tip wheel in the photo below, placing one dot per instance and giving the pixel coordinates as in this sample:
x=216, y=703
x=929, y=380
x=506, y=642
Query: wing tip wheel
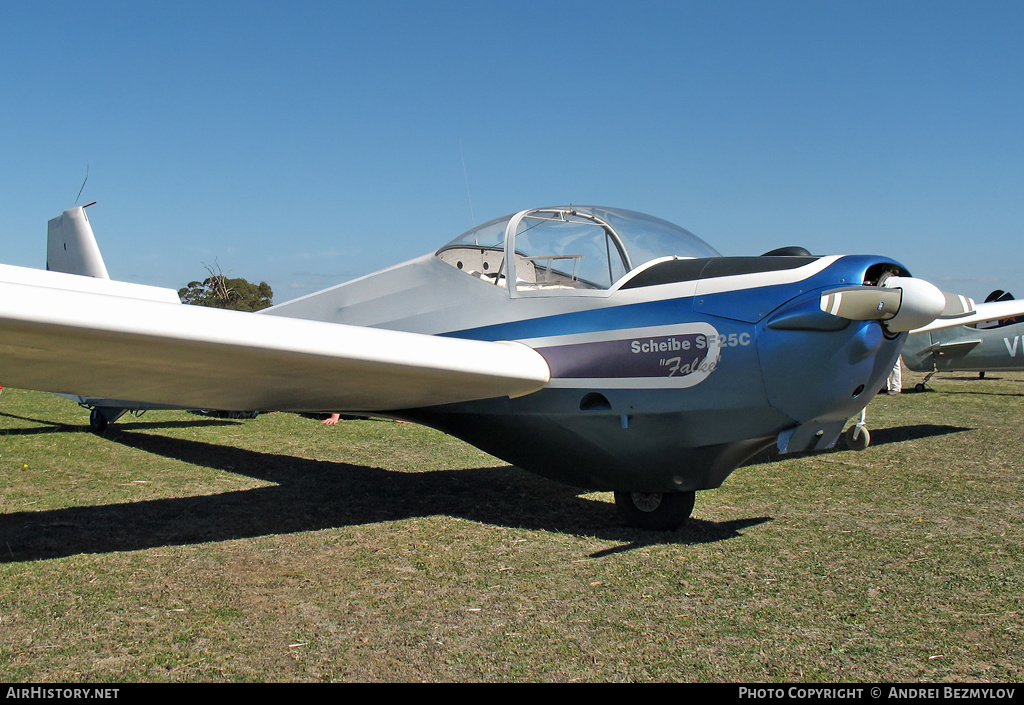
x=657, y=511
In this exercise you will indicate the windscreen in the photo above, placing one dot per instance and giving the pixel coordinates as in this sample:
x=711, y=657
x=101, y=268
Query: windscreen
x=571, y=247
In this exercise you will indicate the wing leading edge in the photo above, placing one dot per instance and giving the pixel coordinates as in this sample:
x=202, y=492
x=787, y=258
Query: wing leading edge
x=989, y=311
x=102, y=343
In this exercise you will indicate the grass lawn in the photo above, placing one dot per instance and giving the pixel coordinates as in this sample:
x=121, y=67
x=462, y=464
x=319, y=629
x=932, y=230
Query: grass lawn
x=178, y=547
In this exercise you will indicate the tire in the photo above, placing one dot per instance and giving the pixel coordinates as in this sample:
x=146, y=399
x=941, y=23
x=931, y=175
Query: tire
x=97, y=421
x=857, y=441
x=656, y=511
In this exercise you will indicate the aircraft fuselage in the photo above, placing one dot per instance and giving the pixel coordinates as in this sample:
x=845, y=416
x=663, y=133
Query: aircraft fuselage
x=668, y=382
x=967, y=349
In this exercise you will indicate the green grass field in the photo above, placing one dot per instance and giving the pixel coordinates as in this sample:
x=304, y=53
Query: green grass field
x=183, y=548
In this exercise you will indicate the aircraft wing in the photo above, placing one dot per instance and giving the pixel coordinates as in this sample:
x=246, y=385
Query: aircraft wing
x=956, y=348
x=121, y=341
x=992, y=311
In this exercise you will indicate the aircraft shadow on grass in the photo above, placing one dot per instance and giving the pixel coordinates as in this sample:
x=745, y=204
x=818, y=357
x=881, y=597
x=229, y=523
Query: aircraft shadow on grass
x=879, y=437
x=51, y=427
x=900, y=434
x=309, y=495
x=979, y=391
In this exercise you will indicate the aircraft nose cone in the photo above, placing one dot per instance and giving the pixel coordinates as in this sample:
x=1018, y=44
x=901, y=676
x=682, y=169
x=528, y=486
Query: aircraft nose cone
x=920, y=303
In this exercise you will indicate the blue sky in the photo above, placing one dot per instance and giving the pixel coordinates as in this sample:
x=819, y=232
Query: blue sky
x=306, y=143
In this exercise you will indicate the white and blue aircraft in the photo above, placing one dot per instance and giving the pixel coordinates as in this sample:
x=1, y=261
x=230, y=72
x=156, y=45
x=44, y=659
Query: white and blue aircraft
x=601, y=347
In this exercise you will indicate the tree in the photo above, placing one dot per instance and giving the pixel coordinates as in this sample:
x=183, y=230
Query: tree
x=218, y=291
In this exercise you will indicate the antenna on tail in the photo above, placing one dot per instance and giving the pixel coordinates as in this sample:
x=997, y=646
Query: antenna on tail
x=83, y=187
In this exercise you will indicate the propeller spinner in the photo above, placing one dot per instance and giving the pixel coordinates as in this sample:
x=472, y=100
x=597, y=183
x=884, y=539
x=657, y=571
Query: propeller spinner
x=901, y=303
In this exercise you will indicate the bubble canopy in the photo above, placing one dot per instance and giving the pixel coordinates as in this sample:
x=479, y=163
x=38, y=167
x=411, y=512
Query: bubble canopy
x=568, y=248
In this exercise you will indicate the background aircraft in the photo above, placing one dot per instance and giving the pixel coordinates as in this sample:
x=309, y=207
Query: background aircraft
x=991, y=339
x=604, y=348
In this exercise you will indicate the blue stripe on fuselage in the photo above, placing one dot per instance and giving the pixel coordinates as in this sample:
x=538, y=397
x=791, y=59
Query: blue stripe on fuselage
x=750, y=305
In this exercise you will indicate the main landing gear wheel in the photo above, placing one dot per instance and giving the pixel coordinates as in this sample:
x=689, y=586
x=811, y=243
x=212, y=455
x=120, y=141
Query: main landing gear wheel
x=857, y=438
x=659, y=511
x=97, y=421
x=923, y=384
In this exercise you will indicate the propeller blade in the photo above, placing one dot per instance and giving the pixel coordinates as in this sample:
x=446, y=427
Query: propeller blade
x=901, y=303
x=957, y=305
x=999, y=295
x=862, y=303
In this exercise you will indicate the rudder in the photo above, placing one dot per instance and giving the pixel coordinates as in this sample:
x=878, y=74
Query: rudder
x=71, y=246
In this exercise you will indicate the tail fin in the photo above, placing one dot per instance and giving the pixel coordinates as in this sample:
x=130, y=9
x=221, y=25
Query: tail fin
x=71, y=246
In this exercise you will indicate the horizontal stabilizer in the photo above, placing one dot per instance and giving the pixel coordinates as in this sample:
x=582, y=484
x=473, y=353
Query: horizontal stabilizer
x=95, y=344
